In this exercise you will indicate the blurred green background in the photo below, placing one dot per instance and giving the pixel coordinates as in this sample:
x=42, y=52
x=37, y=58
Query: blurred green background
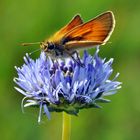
x=31, y=21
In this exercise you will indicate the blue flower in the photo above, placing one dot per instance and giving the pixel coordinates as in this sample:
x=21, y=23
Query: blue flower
x=64, y=85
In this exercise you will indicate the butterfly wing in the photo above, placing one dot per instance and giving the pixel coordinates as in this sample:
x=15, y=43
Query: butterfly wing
x=73, y=45
x=94, y=32
x=57, y=37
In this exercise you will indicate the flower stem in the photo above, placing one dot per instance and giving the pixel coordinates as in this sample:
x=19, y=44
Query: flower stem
x=66, y=130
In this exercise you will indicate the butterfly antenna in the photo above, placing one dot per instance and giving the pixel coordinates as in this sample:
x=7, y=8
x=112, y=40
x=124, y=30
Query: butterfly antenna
x=28, y=44
x=34, y=51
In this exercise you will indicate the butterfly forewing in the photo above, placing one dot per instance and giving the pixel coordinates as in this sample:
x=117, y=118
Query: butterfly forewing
x=95, y=32
x=57, y=37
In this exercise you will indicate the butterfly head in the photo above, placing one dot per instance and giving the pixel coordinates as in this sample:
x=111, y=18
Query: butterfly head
x=49, y=48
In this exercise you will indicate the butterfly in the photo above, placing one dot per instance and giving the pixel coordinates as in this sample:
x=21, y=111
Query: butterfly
x=78, y=35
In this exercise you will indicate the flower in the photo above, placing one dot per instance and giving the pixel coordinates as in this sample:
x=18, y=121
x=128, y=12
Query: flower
x=64, y=85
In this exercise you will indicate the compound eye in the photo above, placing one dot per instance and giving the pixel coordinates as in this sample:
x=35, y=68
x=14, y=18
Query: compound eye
x=51, y=46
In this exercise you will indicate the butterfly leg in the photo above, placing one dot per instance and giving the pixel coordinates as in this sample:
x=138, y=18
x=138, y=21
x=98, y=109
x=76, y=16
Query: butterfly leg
x=78, y=61
x=78, y=58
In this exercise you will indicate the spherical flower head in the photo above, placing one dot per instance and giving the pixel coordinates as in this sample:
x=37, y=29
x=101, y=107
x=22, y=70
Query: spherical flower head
x=65, y=85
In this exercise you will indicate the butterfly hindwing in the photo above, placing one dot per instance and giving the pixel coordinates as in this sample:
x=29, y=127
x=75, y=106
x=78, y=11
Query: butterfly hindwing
x=73, y=45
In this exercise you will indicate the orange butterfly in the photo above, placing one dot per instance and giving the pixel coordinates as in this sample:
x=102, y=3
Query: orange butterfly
x=78, y=35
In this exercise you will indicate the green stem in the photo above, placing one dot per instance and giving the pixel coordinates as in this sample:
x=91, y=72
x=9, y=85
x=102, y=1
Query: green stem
x=66, y=130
